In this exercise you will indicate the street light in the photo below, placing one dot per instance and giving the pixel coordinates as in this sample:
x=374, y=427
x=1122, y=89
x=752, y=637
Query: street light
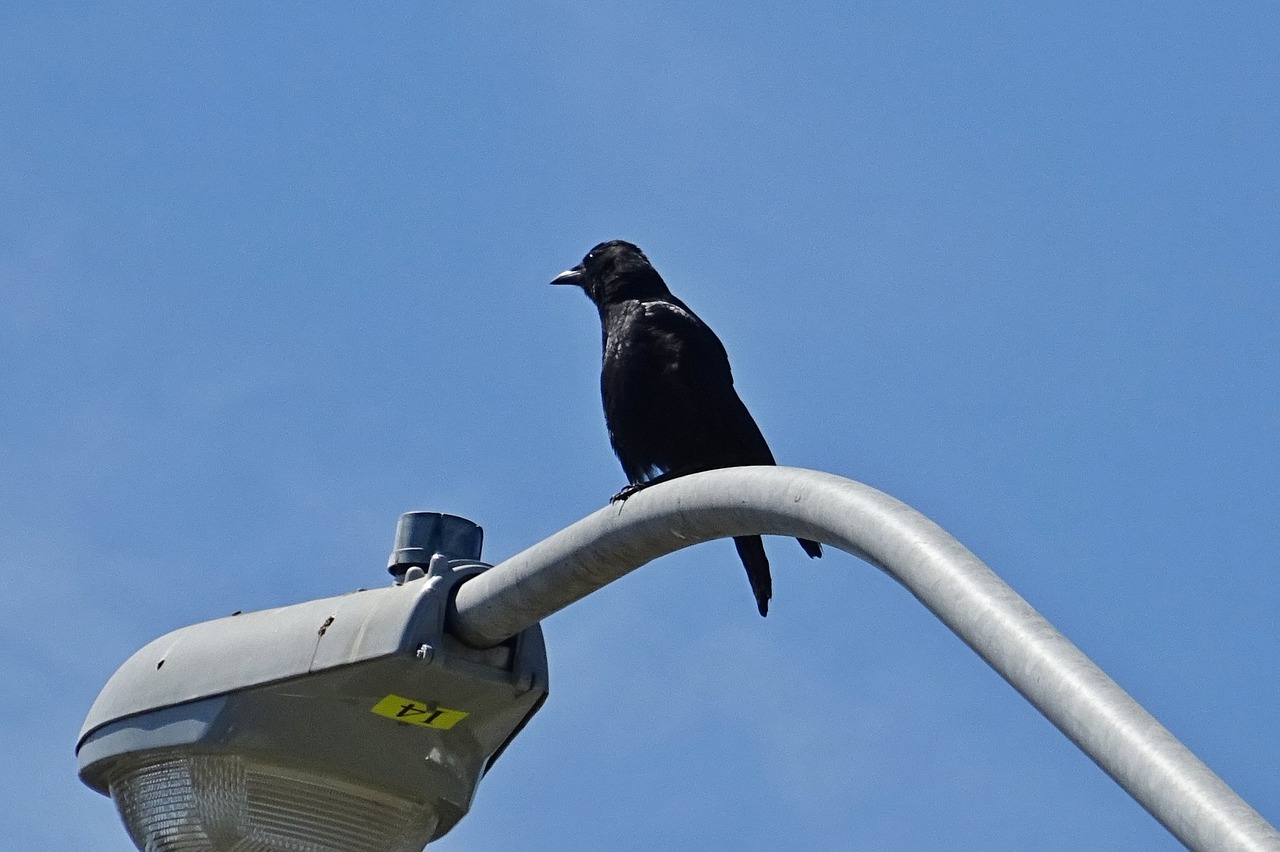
x=346, y=724
x=481, y=655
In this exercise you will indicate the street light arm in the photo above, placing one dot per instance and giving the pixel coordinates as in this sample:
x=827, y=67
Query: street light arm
x=653, y=522
x=1025, y=649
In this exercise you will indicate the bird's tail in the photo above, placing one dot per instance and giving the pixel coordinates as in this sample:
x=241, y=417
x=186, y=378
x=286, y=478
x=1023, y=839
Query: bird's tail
x=751, y=552
x=811, y=547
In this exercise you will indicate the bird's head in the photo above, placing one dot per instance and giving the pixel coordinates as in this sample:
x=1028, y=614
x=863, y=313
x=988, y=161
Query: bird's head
x=614, y=271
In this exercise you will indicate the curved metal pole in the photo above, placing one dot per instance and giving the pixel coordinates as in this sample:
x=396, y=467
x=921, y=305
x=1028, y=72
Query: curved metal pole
x=1027, y=651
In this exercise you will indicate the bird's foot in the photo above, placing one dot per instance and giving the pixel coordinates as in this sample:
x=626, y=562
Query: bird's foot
x=628, y=491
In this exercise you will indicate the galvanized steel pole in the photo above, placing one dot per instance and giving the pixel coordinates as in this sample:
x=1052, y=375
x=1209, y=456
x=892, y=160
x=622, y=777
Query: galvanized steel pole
x=1065, y=685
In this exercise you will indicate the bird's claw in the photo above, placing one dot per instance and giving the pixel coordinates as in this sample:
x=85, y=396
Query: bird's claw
x=627, y=492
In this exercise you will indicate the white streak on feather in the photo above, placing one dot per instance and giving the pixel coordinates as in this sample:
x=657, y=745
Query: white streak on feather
x=650, y=308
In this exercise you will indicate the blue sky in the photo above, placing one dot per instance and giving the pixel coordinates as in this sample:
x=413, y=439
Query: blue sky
x=269, y=277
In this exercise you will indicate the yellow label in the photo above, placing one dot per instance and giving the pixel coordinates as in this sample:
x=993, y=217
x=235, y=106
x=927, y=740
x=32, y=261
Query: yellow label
x=416, y=713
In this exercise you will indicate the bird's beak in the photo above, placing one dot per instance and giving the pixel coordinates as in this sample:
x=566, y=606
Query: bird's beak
x=570, y=276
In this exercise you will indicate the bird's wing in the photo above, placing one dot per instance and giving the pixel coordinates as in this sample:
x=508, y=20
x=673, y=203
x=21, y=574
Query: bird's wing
x=688, y=339
x=700, y=381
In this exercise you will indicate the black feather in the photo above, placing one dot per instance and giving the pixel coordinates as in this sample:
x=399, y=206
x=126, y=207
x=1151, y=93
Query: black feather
x=669, y=400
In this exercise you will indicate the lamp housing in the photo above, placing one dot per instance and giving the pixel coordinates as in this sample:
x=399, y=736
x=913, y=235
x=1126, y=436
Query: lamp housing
x=347, y=724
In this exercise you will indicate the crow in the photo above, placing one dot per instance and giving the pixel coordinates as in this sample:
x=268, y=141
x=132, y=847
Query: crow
x=669, y=402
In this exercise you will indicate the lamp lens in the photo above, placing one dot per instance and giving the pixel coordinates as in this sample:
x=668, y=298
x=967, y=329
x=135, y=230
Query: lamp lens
x=229, y=803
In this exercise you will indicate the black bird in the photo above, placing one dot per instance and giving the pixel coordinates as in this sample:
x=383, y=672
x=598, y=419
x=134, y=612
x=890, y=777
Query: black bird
x=669, y=401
